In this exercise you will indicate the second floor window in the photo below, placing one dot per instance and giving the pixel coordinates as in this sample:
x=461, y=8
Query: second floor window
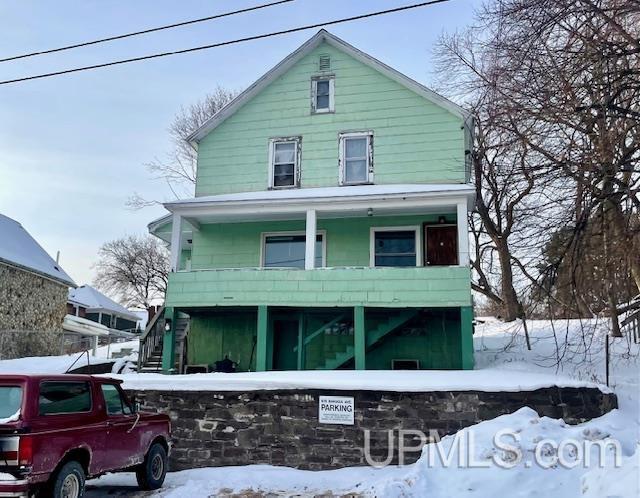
x=356, y=158
x=284, y=162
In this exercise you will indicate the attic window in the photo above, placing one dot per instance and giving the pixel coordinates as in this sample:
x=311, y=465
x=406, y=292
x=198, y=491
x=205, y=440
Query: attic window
x=324, y=63
x=322, y=90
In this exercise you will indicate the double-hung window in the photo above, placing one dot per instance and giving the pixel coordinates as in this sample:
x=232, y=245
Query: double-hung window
x=395, y=246
x=284, y=162
x=322, y=90
x=356, y=158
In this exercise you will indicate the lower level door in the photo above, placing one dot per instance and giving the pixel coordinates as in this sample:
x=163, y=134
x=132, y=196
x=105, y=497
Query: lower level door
x=285, y=341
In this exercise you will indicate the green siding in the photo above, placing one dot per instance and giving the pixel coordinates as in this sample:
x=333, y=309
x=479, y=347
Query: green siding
x=391, y=287
x=415, y=141
x=237, y=245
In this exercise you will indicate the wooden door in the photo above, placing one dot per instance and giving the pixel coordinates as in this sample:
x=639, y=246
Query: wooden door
x=441, y=243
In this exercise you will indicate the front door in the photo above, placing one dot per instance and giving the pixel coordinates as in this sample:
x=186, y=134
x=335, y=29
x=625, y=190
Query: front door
x=441, y=242
x=285, y=342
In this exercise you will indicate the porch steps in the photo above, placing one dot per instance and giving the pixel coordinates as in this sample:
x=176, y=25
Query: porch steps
x=153, y=364
x=373, y=336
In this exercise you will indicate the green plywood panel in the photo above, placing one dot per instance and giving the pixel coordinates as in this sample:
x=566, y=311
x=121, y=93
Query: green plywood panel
x=214, y=335
x=415, y=141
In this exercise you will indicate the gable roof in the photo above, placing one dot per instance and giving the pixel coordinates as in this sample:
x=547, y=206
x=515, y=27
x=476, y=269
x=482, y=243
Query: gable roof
x=94, y=300
x=19, y=249
x=285, y=64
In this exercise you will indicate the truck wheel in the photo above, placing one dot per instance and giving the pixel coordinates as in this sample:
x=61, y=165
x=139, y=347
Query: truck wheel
x=151, y=473
x=69, y=481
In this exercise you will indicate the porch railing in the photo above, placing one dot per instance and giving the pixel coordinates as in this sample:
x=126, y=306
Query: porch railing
x=151, y=338
x=631, y=325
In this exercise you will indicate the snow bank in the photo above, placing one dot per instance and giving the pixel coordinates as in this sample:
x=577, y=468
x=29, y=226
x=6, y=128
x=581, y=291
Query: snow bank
x=488, y=380
x=621, y=482
x=60, y=364
x=430, y=476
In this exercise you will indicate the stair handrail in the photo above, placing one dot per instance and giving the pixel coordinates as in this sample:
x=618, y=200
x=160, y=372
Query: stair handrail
x=631, y=325
x=151, y=338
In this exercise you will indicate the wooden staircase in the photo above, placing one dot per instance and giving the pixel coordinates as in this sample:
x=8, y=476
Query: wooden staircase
x=152, y=344
x=373, y=336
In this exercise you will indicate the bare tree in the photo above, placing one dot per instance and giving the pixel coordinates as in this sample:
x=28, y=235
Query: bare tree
x=178, y=169
x=134, y=269
x=560, y=80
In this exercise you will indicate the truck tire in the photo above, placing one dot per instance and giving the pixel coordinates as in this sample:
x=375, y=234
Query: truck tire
x=151, y=473
x=69, y=481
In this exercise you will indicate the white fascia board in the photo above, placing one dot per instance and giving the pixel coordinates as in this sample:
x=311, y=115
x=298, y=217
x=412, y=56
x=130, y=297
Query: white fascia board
x=322, y=204
x=285, y=64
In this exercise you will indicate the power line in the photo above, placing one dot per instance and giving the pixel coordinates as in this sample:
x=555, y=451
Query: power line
x=145, y=31
x=225, y=43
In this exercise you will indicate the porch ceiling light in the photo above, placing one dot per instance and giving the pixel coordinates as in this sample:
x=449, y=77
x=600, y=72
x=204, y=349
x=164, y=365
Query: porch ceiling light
x=370, y=212
x=167, y=325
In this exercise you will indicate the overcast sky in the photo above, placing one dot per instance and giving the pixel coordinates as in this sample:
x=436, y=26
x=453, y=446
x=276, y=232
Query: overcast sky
x=73, y=148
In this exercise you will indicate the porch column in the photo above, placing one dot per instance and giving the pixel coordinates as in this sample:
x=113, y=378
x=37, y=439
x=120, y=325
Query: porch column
x=176, y=241
x=310, y=241
x=359, y=338
x=466, y=337
x=169, y=342
x=262, y=346
x=463, y=233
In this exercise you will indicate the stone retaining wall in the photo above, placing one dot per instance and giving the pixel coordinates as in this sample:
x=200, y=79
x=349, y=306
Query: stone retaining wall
x=281, y=427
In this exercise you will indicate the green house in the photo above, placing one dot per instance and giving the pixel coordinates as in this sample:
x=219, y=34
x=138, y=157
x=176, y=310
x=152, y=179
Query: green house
x=329, y=224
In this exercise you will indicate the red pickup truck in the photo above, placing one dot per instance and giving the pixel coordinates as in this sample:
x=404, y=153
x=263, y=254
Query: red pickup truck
x=58, y=430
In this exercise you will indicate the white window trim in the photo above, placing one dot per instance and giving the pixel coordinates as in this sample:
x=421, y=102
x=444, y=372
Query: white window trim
x=417, y=229
x=341, y=160
x=263, y=239
x=314, y=93
x=297, y=158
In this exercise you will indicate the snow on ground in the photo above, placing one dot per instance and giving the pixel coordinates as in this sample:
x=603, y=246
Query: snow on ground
x=561, y=355
x=478, y=474
x=489, y=379
x=60, y=364
x=559, y=351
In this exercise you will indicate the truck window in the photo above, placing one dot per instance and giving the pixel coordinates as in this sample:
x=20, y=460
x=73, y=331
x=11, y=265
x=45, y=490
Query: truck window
x=64, y=397
x=10, y=401
x=116, y=404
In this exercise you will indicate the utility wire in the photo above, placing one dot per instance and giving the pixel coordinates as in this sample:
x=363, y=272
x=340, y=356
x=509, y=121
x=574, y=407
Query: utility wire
x=225, y=43
x=145, y=31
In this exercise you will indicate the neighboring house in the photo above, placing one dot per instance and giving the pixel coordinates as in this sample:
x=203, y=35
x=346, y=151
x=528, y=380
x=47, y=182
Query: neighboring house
x=329, y=227
x=87, y=302
x=33, y=293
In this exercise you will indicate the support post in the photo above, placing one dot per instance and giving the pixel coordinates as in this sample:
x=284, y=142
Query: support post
x=466, y=337
x=176, y=241
x=310, y=241
x=262, y=347
x=169, y=342
x=463, y=233
x=359, y=338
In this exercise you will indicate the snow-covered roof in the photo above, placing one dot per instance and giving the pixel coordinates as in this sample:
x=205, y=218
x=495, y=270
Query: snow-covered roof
x=329, y=193
x=284, y=65
x=19, y=249
x=95, y=301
